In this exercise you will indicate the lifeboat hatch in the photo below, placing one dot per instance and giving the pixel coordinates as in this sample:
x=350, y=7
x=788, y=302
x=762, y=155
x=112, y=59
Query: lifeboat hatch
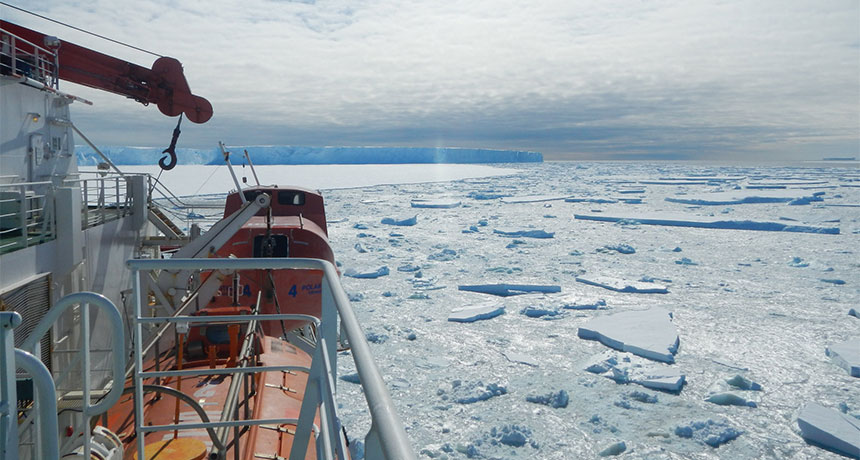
x=271, y=246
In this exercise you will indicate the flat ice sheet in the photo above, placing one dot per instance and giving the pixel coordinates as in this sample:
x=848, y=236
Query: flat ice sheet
x=620, y=285
x=474, y=313
x=846, y=355
x=739, y=197
x=830, y=428
x=646, y=333
x=682, y=220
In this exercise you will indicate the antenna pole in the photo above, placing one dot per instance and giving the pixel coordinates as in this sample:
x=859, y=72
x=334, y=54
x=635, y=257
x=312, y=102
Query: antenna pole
x=253, y=171
x=232, y=173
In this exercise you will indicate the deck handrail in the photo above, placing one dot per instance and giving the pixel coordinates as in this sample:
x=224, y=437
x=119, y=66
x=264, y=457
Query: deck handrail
x=387, y=437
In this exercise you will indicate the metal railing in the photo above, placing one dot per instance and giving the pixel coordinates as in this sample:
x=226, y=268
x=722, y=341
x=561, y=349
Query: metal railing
x=103, y=199
x=21, y=57
x=26, y=215
x=386, y=438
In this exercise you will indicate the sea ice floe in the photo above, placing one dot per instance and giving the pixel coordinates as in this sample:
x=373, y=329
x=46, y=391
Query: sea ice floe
x=830, y=429
x=627, y=369
x=353, y=273
x=854, y=312
x=619, y=285
x=742, y=383
x=735, y=198
x=474, y=313
x=539, y=311
x=558, y=399
x=684, y=220
x=647, y=333
x=471, y=392
x=613, y=449
x=619, y=248
x=527, y=233
x=533, y=198
x=710, y=432
x=729, y=398
x=507, y=290
x=435, y=204
x=846, y=355
x=406, y=222
x=835, y=281
x=591, y=200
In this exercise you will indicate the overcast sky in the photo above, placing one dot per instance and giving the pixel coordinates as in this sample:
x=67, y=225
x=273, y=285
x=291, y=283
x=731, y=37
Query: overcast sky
x=733, y=79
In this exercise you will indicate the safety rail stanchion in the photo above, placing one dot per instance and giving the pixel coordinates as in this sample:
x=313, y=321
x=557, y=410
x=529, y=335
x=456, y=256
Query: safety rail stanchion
x=387, y=432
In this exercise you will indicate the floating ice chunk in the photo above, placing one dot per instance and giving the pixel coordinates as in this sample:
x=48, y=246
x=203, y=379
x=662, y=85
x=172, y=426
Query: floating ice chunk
x=742, y=383
x=619, y=285
x=797, y=262
x=643, y=397
x=407, y=222
x=638, y=371
x=846, y=355
x=471, y=392
x=658, y=378
x=709, y=432
x=507, y=290
x=537, y=311
x=556, y=400
x=647, y=333
x=619, y=248
x=353, y=273
x=520, y=358
x=617, y=448
x=854, y=312
x=435, y=204
x=486, y=195
x=444, y=255
x=475, y=313
x=835, y=281
x=591, y=200
x=730, y=399
x=737, y=197
x=533, y=198
x=351, y=378
x=572, y=303
x=408, y=268
x=523, y=233
x=683, y=220
x=830, y=429
x=360, y=248
x=631, y=190
x=685, y=261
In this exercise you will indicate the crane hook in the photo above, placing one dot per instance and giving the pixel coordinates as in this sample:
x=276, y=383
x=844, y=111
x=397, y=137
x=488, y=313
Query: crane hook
x=171, y=150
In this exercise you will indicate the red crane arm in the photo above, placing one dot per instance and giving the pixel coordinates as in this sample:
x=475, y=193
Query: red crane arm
x=163, y=85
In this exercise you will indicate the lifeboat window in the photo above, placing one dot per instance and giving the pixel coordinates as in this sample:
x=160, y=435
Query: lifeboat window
x=271, y=246
x=251, y=195
x=291, y=197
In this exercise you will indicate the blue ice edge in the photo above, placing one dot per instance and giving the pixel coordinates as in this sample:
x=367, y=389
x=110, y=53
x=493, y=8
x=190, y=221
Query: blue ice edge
x=307, y=155
x=720, y=224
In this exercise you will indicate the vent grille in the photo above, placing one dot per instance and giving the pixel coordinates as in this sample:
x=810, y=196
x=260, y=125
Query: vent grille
x=32, y=301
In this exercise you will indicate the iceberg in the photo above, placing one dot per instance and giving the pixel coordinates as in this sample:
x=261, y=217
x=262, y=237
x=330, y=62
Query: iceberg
x=681, y=220
x=830, y=429
x=619, y=285
x=846, y=355
x=475, y=313
x=507, y=290
x=304, y=155
x=646, y=333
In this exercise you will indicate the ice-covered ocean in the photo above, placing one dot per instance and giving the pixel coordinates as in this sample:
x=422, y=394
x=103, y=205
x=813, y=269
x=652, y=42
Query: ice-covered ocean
x=749, y=306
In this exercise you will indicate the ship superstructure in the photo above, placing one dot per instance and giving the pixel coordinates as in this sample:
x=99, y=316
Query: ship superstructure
x=113, y=344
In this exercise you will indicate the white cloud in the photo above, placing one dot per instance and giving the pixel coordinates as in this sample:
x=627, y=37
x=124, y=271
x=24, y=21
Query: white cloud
x=737, y=70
